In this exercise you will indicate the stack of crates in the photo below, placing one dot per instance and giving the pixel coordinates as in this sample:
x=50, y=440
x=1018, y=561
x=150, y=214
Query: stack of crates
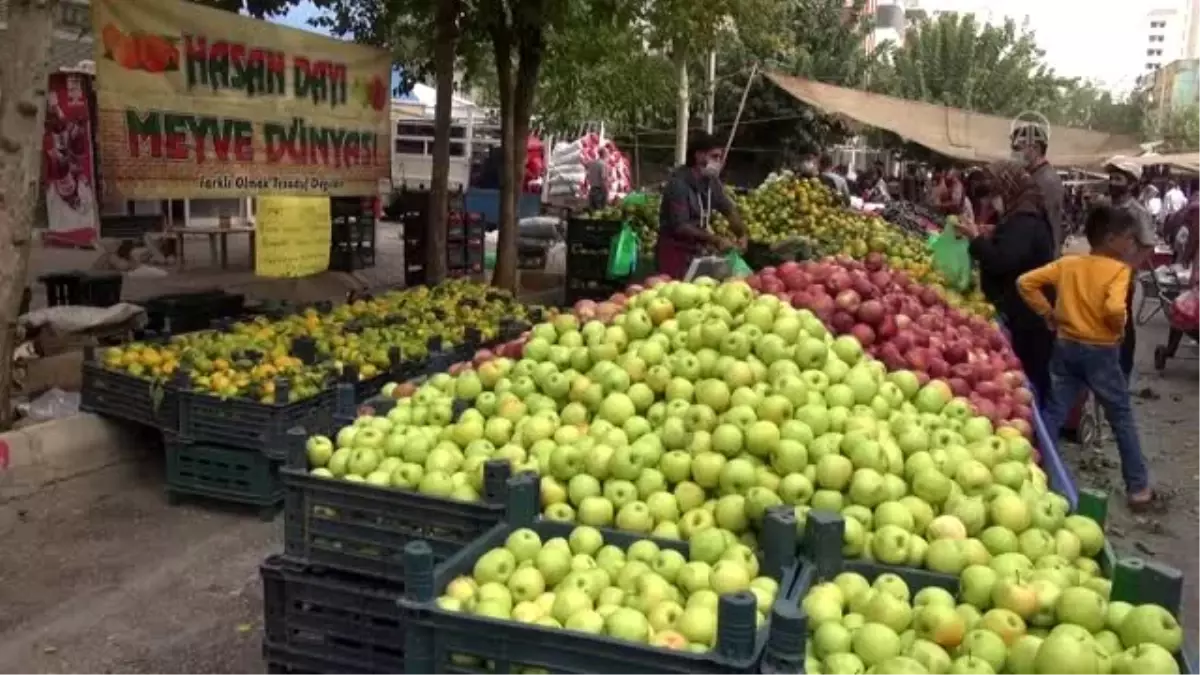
x=330, y=599
x=589, y=242
x=352, y=241
x=464, y=244
x=412, y=209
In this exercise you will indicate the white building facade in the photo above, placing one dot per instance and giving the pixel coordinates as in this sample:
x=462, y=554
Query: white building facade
x=1168, y=32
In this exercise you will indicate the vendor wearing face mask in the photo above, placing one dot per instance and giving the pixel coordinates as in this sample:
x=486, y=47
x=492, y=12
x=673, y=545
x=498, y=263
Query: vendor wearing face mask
x=1123, y=177
x=691, y=196
x=1029, y=145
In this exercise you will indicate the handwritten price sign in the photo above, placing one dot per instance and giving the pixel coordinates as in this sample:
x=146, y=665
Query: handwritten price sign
x=293, y=236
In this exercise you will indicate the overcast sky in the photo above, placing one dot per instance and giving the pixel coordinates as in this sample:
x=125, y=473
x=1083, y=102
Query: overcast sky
x=1094, y=39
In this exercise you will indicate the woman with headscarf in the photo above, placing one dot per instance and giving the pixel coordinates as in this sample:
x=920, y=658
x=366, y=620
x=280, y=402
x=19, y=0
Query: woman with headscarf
x=1021, y=241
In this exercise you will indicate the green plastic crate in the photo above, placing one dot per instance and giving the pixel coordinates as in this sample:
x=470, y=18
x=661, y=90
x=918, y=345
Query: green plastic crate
x=232, y=475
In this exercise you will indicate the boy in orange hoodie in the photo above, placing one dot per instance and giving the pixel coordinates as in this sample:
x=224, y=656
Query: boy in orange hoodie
x=1089, y=320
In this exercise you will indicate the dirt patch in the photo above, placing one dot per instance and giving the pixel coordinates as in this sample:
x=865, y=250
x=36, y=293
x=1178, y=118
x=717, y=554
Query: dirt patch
x=102, y=576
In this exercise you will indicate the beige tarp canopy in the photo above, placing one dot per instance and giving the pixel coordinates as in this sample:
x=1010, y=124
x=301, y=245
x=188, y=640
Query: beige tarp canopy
x=1188, y=161
x=957, y=133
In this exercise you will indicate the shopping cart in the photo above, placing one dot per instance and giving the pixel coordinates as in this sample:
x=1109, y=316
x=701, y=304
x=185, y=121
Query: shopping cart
x=1175, y=336
x=1161, y=283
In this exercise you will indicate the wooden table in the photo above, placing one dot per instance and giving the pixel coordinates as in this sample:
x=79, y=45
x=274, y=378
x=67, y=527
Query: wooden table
x=218, y=241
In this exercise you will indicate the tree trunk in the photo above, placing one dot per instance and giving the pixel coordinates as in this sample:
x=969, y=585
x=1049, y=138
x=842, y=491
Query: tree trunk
x=505, y=274
x=445, y=45
x=24, y=68
x=682, y=114
x=524, y=88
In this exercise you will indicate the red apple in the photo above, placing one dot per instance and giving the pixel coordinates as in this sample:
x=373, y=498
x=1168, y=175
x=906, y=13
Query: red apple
x=841, y=322
x=959, y=386
x=864, y=333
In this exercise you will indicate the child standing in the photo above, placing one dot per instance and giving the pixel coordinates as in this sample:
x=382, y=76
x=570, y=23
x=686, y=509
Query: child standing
x=1089, y=320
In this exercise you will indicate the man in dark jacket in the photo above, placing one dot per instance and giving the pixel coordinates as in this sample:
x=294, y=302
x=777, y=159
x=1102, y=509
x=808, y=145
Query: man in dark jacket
x=1029, y=144
x=1020, y=242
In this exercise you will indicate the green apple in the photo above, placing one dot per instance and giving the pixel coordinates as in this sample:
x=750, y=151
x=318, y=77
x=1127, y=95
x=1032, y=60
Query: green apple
x=985, y=645
x=1005, y=623
x=888, y=610
x=1063, y=652
x=976, y=585
x=1016, y=596
x=1083, y=607
x=970, y=665
x=831, y=638
x=875, y=643
x=1117, y=611
x=1150, y=624
x=933, y=595
x=889, y=545
x=999, y=539
x=932, y=656
x=1146, y=657
x=698, y=624
x=851, y=585
x=497, y=565
x=823, y=604
x=946, y=556
x=526, y=584
x=795, y=488
x=1090, y=534
x=524, y=544
x=940, y=624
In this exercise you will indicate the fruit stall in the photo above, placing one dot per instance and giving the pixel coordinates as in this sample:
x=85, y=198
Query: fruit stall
x=609, y=493
x=223, y=398
x=832, y=465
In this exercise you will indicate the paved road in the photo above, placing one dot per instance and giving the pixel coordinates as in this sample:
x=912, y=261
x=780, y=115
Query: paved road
x=103, y=576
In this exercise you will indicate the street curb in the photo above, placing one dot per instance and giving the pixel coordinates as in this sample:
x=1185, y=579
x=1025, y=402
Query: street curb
x=50, y=452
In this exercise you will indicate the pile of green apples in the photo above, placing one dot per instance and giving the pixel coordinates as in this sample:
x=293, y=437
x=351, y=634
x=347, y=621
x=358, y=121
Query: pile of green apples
x=1005, y=619
x=643, y=594
x=702, y=405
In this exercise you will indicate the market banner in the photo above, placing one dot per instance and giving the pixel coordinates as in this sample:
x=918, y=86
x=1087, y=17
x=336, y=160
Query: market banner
x=293, y=236
x=200, y=103
x=69, y=173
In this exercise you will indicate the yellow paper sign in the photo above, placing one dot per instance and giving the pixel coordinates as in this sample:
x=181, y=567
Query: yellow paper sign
x=294, y=235
x=201, y=103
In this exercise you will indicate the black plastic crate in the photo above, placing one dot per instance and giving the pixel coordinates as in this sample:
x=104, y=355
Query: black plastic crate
x=437, y=639
x=456, y=256
x=90, y=289
x=351, y=259
x=588, y=266
x=102, y=289
x=222, y=474
x=592, y=231
x=318, y=621
x=311, y=661
x=531, y=257
x=245, y=423
x=353, y=236
x=363, y=529
x=414, y=274
x=111, y=393
x=186, y=312
x=64, y=288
